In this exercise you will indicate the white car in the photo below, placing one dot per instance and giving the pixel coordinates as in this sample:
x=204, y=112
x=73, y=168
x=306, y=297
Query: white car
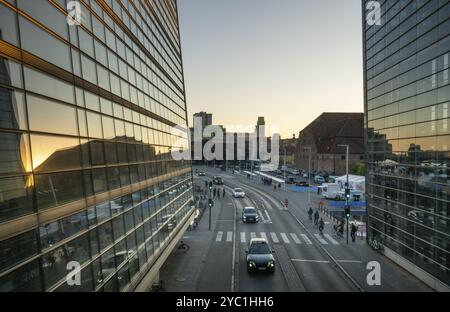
x=238, y=193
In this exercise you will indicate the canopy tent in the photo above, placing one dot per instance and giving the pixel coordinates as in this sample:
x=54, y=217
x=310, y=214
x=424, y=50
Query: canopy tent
x=355, y=182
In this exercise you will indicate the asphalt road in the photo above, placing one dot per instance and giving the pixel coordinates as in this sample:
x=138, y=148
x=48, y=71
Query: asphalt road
x=305, y=260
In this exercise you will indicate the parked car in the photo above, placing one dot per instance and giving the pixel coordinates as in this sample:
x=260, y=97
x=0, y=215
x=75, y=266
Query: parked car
x=260, y=256
x=302, y=183
x=250, y=215
x=319, y=179
x=238, y=193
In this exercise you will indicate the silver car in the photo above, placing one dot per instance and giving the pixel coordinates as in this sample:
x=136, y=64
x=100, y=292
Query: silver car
x=238, y=193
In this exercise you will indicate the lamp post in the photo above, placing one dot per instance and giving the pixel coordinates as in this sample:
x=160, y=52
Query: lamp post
x=347, y=186
x=309, y=173
x=210, y=204
x=284, y=168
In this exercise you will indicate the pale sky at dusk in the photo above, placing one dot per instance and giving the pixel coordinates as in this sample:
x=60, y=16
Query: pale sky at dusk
x=287, y=60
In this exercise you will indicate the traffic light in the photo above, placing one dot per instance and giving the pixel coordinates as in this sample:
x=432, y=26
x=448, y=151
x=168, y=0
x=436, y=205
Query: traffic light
x=347, y=212
x=347, y=193
x=211, y=203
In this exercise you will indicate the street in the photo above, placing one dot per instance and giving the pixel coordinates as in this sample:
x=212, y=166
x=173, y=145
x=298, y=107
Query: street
x=305, y=260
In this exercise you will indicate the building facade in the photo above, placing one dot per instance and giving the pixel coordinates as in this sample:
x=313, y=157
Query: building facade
x=324, y=135
x=407, y=95
x=287, y=151
x=86, y=173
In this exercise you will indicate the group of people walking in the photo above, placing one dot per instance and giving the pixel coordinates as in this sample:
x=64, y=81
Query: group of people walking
x=218, y=193
x=339, y=228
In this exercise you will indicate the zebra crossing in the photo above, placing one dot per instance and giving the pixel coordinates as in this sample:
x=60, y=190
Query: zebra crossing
x=275, y=238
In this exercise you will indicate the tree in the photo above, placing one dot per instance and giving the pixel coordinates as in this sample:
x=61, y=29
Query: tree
x=358, y=169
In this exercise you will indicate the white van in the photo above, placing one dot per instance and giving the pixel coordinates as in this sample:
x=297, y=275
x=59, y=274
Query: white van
x=330, y=190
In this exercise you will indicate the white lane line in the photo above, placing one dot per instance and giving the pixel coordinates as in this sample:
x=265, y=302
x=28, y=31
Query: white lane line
x=243, y=239
x=331, y=239
x=229, y=236
x=252, y=235
x=307, y=260
x=285, y=238
x=263, y=235
x=268, y=217
x=219, y=236
x=349, y=261
x=261, y=217
x=274, y=237
x=295, y=238
x=306, y=239
x=320, y=239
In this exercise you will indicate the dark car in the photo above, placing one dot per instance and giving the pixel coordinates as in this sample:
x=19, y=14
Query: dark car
x=302, y=183
x=249, y=215
x=260, y=256
x=217, y=180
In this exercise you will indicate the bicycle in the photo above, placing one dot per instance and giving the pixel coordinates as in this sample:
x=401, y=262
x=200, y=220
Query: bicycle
x=376, y=245
x=182, y=246
x=338, y=233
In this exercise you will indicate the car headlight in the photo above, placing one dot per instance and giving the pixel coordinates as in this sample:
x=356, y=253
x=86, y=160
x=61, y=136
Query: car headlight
x=271, y=264
x=257, y=217
x=251, y=264
x=244, y=217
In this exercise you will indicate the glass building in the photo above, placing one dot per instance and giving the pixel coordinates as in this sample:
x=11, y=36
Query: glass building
x=86, y=172
x=407, y=97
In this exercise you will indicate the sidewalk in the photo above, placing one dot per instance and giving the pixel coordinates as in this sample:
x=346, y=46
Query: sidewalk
x=181, y=272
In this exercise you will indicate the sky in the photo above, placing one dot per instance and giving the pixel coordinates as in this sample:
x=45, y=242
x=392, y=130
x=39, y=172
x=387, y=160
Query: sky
x=286, y=60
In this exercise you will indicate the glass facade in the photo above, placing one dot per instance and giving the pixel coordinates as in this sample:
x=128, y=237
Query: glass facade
x=407, y=98
x=86, y=113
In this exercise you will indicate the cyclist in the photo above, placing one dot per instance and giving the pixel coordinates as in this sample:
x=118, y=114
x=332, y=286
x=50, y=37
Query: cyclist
x=321, y=226
x=316, y=217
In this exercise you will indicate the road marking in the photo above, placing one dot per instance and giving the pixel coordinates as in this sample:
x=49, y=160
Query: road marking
x=285, y=238
x=243, y=239
x=268, y=217
x=306, y=239
x=252, y=235
x=295, y=238
x=307, y=260
x=349, y=261
x=320, y=239
x=274, y=237
x=261, y=218
x=219, y=236
x=331, y=239
x=263, y=235
x=229, y=236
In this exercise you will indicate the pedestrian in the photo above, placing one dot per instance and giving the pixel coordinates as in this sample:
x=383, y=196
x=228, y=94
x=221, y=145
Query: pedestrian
x=214, y=192
x=223, y=193
x=353, y=231
x=275, y=187
x=279, y=185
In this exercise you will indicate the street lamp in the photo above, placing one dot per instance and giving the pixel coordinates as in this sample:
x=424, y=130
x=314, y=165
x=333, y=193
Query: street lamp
x=309, y=173
x=347, y=187
x=284, y=168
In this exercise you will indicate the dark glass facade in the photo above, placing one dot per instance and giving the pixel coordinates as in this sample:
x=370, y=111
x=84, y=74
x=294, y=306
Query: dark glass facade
x=407, y=99
x=86, y=113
